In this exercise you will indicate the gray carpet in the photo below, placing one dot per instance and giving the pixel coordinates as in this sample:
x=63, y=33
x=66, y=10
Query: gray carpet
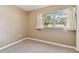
x=29, y=46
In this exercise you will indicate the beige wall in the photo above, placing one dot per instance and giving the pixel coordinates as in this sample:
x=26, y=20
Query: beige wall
x=12, y=24
x=16, y=24
x=55, y=35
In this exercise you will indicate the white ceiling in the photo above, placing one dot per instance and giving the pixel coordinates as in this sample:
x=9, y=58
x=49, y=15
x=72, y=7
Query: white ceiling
x=31, y=7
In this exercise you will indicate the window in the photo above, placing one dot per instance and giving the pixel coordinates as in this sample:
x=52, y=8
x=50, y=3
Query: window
x=58, y=19
x=54, y=19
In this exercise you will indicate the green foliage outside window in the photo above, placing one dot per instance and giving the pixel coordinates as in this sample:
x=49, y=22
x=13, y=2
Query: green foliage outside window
x=48, y=20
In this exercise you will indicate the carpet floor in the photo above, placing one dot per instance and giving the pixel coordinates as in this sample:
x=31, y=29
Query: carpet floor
x=29, y=46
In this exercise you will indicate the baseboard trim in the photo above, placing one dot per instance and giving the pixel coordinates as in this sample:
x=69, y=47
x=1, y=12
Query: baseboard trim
x=43, y=41
x=11, y=44
x=53, y=43
x=56, y=44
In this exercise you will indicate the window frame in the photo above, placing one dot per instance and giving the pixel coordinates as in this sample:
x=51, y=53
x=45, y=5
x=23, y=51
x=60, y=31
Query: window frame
x=57, y=11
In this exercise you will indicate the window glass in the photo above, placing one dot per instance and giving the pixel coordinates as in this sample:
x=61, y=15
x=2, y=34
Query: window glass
x=55, y=19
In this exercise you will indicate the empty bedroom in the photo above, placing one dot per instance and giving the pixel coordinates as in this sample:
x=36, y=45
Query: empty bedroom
x=39, y=29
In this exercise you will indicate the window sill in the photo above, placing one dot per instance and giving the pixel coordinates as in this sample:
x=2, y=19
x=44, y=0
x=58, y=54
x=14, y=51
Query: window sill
x=54, y=27
x=58, y=28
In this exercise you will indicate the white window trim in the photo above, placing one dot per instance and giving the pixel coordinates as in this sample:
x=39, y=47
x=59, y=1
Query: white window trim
x=41, y=26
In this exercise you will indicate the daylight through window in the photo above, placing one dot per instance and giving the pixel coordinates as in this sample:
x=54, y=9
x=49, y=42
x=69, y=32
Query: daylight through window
x=55, y=19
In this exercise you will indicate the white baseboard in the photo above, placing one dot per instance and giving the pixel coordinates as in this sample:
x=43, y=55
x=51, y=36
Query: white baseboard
x=53, y=43
x=43, y=41
x=11, y=44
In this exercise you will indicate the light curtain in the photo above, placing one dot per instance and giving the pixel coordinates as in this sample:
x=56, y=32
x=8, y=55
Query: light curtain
x=71, y=18
x=39, y=24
